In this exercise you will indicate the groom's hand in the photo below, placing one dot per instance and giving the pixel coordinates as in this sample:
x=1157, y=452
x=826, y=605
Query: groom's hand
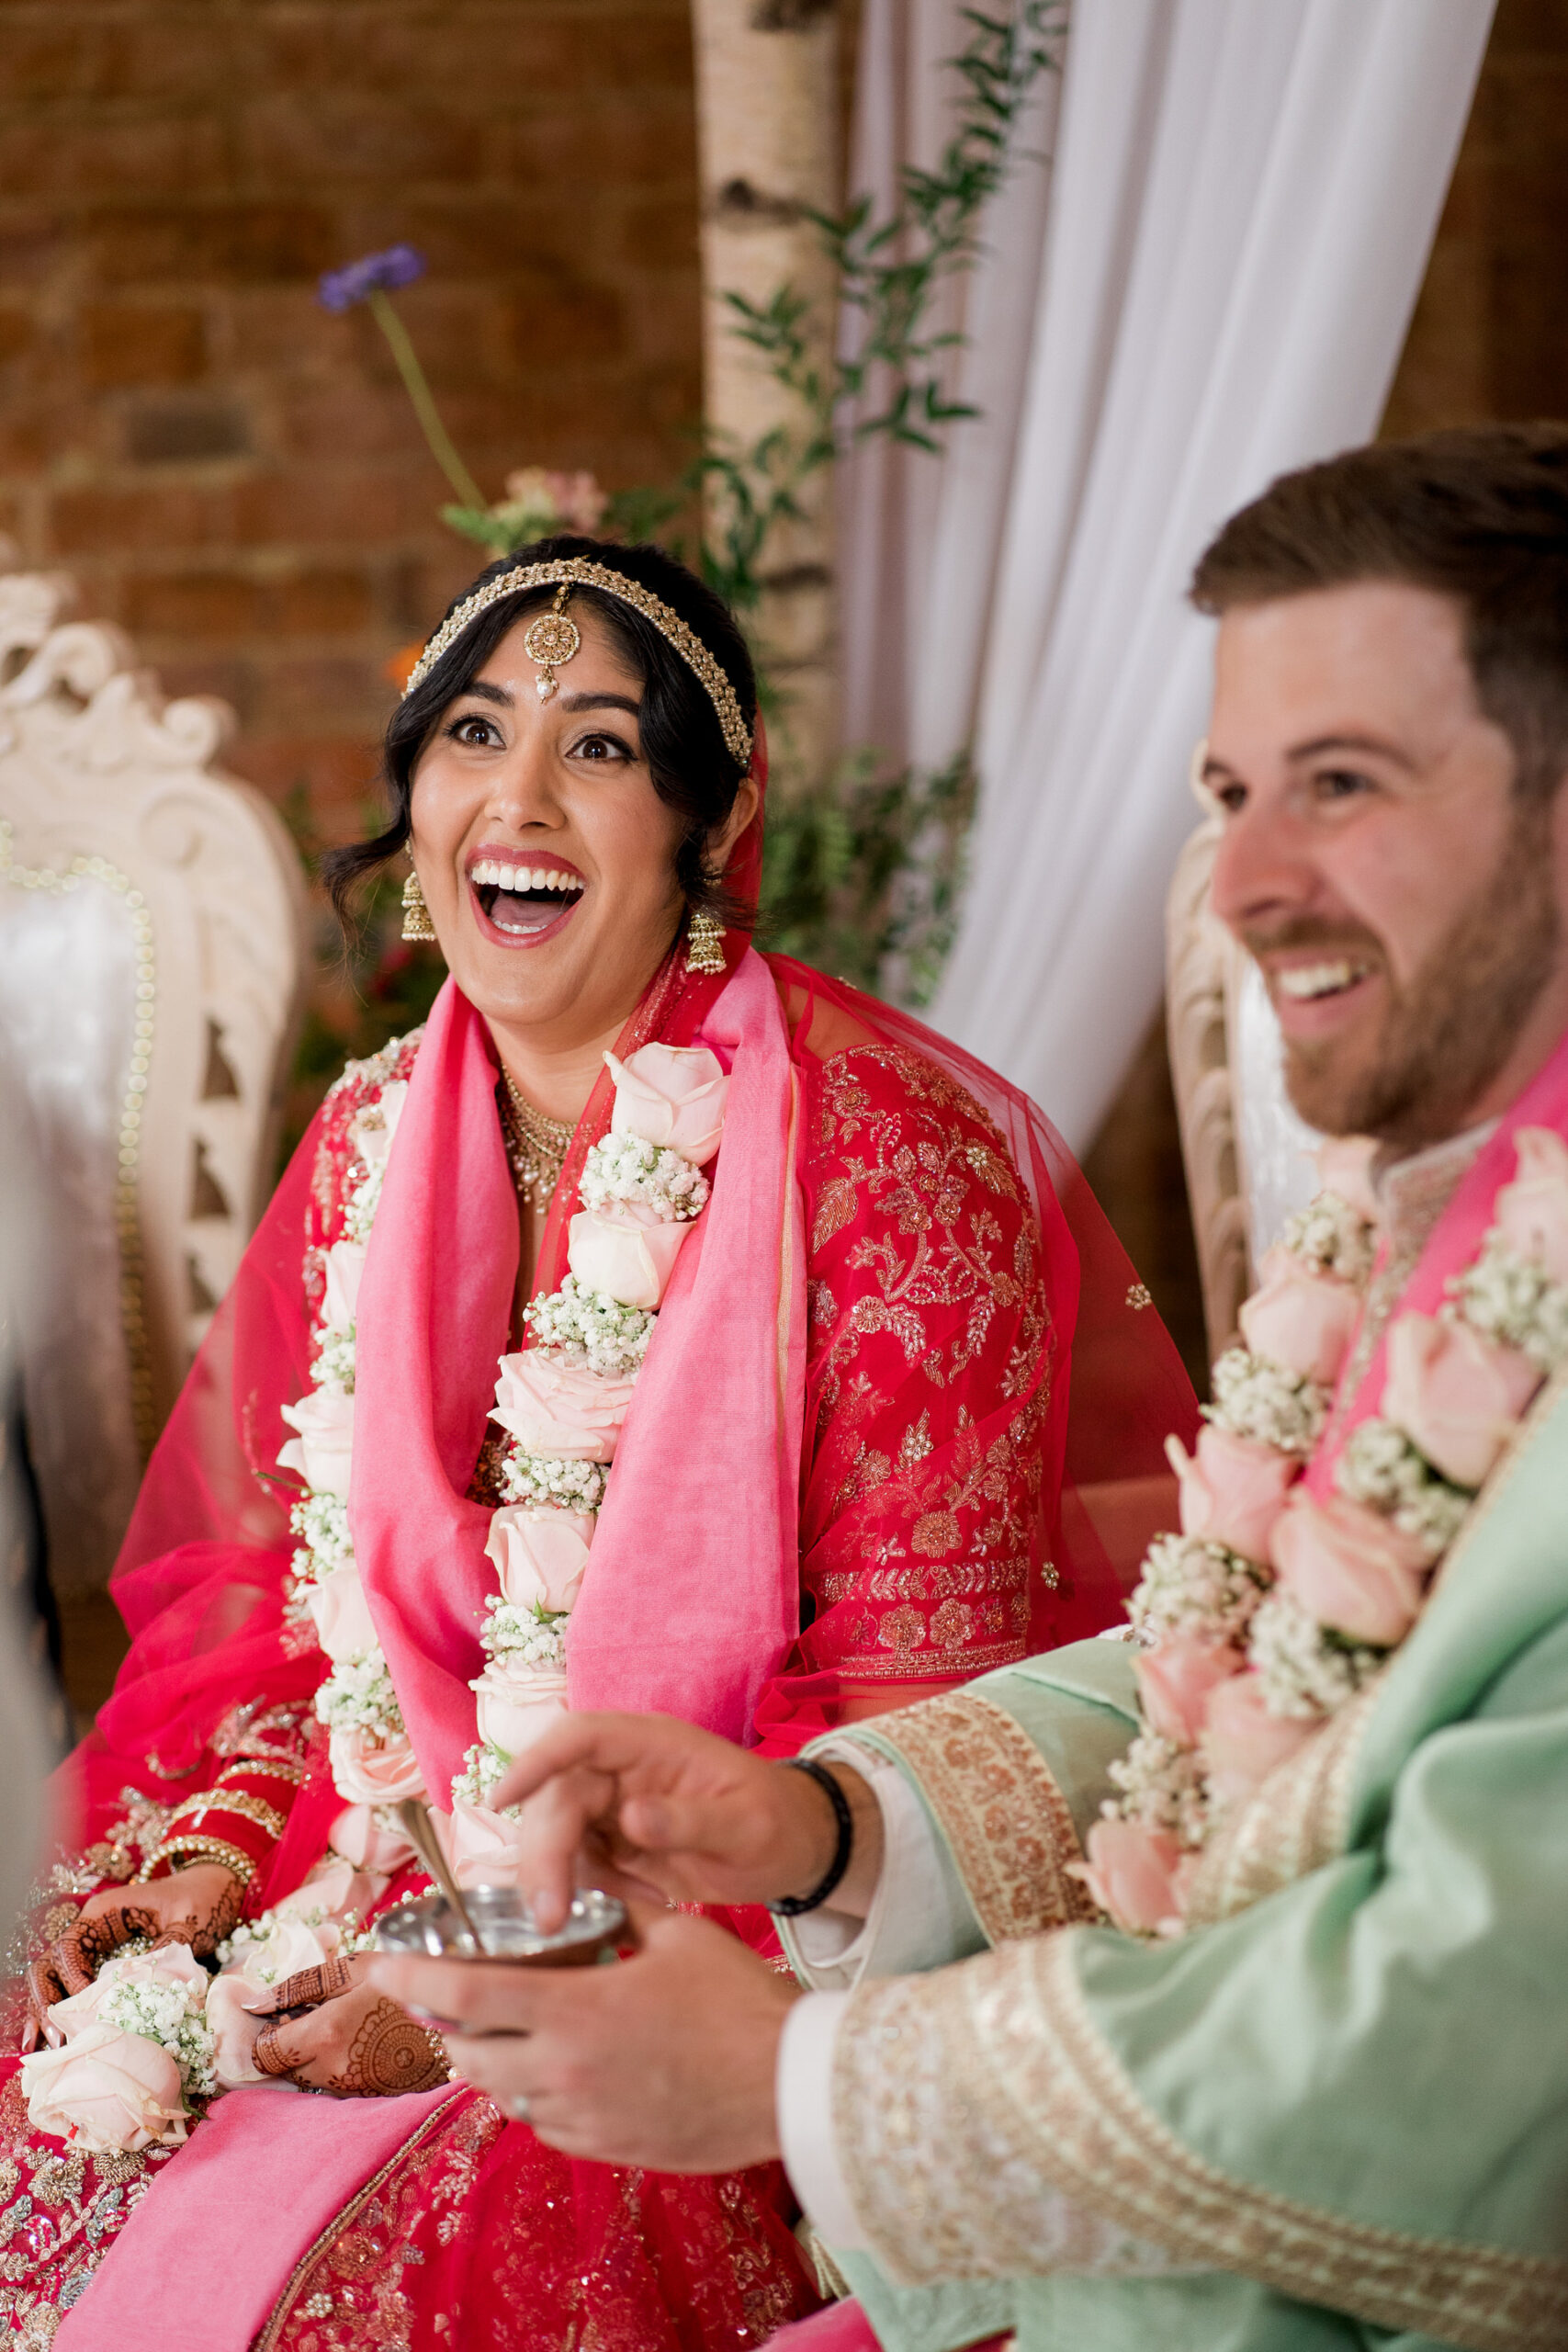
x=666, y=2059
x=648, y=1805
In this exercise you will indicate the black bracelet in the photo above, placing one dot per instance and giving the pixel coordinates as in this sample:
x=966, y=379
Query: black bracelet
x=793, y=1906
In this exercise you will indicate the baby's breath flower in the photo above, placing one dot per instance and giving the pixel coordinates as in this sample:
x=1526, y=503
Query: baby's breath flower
x=591, y=1329
x=1331, y=1237
x=358, y=1695
x=530, y=1636
x=1257, y=1399
x=1307, y=1670
x=482, y=1767
x=1191, y=1587
x=333, y=1367
x=628, y=1171
x=171, y=2015
x=1162, y=1788
x=1381, y=1468
x=322, y=1520
x=1512, y=1300
x=551, y=1479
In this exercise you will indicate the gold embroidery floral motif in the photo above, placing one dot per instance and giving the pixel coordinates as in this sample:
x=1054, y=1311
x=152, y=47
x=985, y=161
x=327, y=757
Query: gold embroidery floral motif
x=1016, y=2096
x=1006, y=1822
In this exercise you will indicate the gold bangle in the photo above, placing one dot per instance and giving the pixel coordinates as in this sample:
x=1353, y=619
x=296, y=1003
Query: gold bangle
x=234, y=1801
x=245, y=1764
x=200, y=1849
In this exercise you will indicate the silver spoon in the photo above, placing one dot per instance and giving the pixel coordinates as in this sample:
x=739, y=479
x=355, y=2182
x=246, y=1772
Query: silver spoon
x=414, y=1815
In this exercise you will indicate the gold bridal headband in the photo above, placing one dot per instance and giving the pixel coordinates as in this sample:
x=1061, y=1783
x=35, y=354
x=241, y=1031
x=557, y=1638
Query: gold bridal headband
x=553, y=638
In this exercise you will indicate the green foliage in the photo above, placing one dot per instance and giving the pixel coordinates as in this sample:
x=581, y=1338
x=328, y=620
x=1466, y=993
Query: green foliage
x=862, y=875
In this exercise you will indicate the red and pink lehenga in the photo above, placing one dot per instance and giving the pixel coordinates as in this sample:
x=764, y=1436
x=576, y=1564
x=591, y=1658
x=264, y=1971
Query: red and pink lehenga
x=849, y=1474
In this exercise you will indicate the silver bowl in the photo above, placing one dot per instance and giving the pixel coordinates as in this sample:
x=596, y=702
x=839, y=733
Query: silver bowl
x=505, y=1925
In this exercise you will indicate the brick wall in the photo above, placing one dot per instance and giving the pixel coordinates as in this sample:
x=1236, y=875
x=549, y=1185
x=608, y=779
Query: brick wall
x=232, y=472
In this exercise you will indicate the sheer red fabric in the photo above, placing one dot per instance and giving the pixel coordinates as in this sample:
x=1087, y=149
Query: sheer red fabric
x=979, y=1357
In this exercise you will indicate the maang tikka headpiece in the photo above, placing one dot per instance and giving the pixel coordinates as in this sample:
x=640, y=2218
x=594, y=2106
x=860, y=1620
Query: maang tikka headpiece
x=553, y=637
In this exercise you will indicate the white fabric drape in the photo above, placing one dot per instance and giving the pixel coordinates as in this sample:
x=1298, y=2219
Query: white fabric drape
x=1240, y=207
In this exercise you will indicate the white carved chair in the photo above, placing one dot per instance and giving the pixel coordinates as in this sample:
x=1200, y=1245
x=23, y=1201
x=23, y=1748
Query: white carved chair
x=151, y=962
x=1249, y=1157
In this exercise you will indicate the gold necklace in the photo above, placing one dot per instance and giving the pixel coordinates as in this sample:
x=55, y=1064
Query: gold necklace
x=536, y=1145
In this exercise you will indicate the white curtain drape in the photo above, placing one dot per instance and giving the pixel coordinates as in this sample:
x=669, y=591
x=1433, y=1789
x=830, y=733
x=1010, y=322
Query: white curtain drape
x=1212, y=283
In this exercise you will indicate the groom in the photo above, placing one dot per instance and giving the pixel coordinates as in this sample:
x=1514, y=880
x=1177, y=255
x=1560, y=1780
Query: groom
x=1311, y=2091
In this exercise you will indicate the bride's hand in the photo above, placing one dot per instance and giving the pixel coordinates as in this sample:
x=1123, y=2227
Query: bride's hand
x=329, y=2031
x=198, y=1906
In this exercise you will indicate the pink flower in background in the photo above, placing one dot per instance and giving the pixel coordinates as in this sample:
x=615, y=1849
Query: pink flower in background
x=1242, y=1742
x=481, y=1846
x=1532, y=1212
x=1302, y=1320
x=1175, y=1683
x=1134, y=1873
x=1344, y=1166
x=544, y=498
x=1456, y=1395
x=1233, y=1489
x=541, y=1554
x=1351, y=1568
x=554, y=1408
x=670, y=1095
x=629, y=1257
x=364, y=1844
x=105, y=2090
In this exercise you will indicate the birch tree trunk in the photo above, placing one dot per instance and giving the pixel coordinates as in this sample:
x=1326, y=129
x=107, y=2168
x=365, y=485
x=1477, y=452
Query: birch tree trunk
x=767, y=77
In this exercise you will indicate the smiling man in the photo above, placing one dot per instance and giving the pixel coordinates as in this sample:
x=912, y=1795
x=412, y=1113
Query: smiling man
x=1207, y=1990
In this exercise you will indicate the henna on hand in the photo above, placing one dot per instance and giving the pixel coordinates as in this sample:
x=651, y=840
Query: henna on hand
x=389, y=2055
x=307, y=1988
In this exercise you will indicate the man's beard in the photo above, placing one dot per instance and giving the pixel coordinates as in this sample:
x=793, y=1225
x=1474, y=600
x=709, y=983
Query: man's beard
x=1448, y=1032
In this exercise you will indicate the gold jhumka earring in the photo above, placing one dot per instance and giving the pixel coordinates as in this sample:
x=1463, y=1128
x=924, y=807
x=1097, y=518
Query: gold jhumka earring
x=551, y=641
x=704, y=942
x=416, y=914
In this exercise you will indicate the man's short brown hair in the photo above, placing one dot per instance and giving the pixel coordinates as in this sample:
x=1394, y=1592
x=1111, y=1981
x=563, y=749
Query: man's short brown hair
x=1479, y=514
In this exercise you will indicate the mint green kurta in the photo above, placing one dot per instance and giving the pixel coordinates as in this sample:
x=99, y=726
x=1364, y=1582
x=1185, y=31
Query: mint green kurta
x=1340, y=2108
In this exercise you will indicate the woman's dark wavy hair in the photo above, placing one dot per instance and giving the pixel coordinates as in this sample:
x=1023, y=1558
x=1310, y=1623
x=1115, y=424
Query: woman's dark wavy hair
x=693, y=768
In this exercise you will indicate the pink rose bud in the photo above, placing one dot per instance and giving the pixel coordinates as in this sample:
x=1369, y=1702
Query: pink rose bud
x=1302, y=1320
x=323, y=1450
x=341, y=1614
x=1135, y=1874
x=482, y=1847
x=517, y=1702
x=1175, y=1681
x=672, y=1095
x=1350, y=1569
x=541, y=1555
x=1242, y=1742
x=345, y=1264
x=629, y=1256
x=368, y=1770
x=365, y=1844
x=1233, y=1489
x=1344, y=1166
x=1455, y=1395
x=552, y=1407
x=1532, y=1212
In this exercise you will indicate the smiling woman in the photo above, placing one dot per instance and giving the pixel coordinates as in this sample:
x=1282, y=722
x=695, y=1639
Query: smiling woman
x=805, y=1327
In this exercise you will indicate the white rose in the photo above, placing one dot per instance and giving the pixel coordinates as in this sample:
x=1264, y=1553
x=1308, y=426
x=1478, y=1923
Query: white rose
x=323, y=1450
x=629, y=1257
x=373, y=1128
x=552, y=1407
x=672, y=1095
x=342, y=1614
x=345, y=1264
x=542, y=1556
x=105, y=2090
x=365, y=1844
x=286, y=1948
x=343, y=1889
x=518, y=1702
x=368, y=1770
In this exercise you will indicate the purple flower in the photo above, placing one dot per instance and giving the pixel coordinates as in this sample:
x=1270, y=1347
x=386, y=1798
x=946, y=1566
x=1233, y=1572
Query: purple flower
x=375, y=273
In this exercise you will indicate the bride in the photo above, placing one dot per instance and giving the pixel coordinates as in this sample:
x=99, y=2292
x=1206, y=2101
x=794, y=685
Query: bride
x=662, y=1327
